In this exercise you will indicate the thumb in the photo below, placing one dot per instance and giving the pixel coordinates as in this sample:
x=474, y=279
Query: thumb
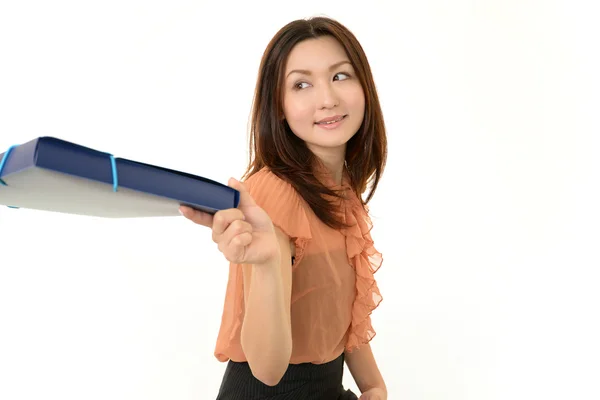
x=245, y=198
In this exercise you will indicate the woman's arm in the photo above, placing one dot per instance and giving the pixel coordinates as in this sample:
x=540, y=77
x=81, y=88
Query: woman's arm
x=266, y=335
x=364, y=370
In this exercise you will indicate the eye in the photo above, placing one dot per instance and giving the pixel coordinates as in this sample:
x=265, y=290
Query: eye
x=299, y=85
x=345, y=75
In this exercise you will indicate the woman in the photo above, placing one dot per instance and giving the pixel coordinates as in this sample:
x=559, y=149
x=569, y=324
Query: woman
x=301, y=287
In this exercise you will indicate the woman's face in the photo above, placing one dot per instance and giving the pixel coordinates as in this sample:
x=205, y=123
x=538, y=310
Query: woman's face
x=320, y=84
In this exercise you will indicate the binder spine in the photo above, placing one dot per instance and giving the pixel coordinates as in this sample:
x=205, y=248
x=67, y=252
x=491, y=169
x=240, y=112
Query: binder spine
x=3, y=163
x=115, y=176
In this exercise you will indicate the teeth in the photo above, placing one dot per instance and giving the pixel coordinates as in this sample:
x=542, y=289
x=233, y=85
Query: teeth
x=331, y=122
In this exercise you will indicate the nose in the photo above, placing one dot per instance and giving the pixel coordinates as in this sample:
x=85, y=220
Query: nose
x=328, y=97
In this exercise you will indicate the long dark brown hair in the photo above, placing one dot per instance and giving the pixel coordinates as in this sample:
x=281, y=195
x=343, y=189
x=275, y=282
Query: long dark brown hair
x=273, y=144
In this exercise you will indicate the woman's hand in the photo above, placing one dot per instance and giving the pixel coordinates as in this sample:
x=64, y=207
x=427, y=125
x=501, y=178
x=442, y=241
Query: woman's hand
x=374, y=394
x=245, y=235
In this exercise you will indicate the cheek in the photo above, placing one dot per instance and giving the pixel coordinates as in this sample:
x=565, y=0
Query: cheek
x=298, y=112
x=358, y=99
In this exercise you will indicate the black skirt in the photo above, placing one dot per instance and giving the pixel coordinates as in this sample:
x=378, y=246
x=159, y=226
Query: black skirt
x=300, y=382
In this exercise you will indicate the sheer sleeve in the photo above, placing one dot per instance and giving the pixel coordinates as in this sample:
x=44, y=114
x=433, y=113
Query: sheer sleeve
x=284, y=205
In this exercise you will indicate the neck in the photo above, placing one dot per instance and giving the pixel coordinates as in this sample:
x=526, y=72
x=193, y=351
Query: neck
x=333, y=161
x=335, y=167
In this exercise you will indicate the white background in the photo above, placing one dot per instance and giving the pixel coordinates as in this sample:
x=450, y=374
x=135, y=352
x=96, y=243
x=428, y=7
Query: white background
x=487, y=215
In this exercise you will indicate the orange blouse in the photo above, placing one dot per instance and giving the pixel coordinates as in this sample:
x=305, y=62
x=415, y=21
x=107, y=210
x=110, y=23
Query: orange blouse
x=333, y=287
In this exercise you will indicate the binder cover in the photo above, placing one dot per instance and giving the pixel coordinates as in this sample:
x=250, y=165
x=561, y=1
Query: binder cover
x=54, y=175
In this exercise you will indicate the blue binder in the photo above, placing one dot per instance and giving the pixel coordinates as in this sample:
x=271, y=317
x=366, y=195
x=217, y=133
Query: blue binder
x=55, y=175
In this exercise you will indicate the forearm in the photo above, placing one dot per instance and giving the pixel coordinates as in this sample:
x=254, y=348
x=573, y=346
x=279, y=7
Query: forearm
x=363, y=367
x=266, y=331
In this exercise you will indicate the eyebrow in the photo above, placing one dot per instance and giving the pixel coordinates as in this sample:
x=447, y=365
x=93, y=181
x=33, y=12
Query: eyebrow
x=307, y=72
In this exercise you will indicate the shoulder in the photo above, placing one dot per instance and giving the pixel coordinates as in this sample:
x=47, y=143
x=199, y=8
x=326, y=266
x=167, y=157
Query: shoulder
x=265, y=183
x=285, y=206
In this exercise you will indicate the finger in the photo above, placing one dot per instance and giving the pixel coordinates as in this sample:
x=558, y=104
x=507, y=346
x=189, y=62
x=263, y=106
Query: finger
x=242, y=240
x=245, y=198
x=196, y=216
x=235, y=250
x=234, y=229
x=240, y=246
x=222, y=219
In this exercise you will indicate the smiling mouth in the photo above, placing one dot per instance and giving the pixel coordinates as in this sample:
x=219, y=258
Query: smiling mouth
x=331, y=122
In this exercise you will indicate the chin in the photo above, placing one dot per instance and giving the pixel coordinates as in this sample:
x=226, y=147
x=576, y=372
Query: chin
x=328, y=144
x=322, y=138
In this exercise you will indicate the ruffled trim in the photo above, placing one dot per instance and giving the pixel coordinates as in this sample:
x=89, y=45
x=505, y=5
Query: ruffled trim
x=363, y=257
x=366, y=260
